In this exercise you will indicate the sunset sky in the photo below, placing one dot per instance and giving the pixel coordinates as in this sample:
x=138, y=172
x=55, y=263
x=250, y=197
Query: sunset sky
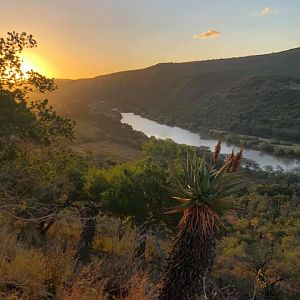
x=86, y=38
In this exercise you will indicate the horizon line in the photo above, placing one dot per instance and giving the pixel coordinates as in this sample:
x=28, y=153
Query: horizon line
x=180, y=62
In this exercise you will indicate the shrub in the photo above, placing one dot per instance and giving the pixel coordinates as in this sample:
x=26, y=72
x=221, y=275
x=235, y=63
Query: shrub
x=266, y=147
x=279, y=151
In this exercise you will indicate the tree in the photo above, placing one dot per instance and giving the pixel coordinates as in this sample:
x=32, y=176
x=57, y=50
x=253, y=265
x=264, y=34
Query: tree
x=31, y=122
x=203, y=193
x=136, y=195
x=28, y=121
x=12, y=78
x=94, y=185
x=134, y=192
x=40, y=184
x=35, y=176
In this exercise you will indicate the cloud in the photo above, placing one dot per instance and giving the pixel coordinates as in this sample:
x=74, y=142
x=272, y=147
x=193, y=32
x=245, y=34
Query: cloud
x=266, y=11
x=210, y=34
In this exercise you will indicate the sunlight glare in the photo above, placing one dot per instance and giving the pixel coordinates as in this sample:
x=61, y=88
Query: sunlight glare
x=36, y=63
x=27, y=66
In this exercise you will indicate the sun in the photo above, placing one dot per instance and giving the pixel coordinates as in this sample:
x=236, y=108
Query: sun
x=27, y=66
x=34, y=62
x=29, y=62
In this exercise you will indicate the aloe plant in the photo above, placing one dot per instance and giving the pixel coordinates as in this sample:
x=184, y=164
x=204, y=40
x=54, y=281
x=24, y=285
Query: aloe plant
x=203, y=194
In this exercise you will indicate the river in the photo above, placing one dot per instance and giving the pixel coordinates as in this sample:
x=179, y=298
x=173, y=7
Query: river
x=183, y=136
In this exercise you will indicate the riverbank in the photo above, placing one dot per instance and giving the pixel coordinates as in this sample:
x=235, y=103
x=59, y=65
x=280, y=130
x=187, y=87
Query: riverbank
x=273, y=146
x=192, y=138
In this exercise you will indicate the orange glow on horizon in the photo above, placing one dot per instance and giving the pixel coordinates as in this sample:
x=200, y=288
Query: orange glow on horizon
x=33, y=61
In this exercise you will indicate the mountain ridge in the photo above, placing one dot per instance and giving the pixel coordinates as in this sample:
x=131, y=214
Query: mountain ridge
x=211, y=94
x=296, y=49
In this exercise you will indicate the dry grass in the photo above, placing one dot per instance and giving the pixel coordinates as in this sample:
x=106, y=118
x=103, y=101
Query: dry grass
x=91, y=142
x=46, y=272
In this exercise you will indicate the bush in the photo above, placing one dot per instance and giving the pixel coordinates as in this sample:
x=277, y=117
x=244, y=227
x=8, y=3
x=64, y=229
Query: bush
x=290, y=152
x=266, y=147
x=278, y=151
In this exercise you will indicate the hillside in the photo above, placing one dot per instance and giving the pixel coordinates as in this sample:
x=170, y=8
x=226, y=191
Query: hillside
x=98, y=211
x=258, y=95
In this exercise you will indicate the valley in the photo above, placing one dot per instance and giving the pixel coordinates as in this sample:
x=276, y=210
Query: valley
x=103, y=139
x=202, y=139
x=178, y=181
x=255, y=99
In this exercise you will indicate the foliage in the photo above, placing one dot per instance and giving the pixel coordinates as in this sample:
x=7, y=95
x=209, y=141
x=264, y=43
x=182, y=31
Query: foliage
x=12, y=78
x=265, y=226
x=201, y=184
x=136, y=193
x=259, y=240
x=57, y=209
x=35, y=122
x=28, y=121
x=203, y=191
x=244, y=97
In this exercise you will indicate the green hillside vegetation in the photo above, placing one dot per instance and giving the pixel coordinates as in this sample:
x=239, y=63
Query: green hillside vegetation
x=256, y=95
x=75, y=226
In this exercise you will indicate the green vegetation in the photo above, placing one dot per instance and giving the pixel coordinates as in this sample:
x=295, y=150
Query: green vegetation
x=203, y=192
x=273, y=146
x=257, y=95
x=75, y=226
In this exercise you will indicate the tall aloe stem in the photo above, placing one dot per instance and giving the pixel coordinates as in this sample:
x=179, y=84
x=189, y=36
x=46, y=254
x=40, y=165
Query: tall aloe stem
x=203, y=193
x=191, y=258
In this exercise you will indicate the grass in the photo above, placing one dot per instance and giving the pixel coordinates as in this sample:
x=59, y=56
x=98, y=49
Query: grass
x=47, y=269
x=101, y=145
x=34, y=267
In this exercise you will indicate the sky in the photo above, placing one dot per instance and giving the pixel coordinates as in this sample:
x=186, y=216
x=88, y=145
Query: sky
x=86, y=38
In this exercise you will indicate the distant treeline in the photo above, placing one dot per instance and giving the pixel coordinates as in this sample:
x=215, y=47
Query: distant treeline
x=259, y=95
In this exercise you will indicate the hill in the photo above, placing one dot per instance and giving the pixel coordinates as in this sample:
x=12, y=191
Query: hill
x=258, y=95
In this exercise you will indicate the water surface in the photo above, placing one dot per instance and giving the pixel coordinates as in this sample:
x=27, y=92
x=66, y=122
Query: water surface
x=183, y=136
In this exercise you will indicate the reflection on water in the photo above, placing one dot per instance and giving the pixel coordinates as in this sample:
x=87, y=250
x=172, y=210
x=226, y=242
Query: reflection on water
x=182, y=136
